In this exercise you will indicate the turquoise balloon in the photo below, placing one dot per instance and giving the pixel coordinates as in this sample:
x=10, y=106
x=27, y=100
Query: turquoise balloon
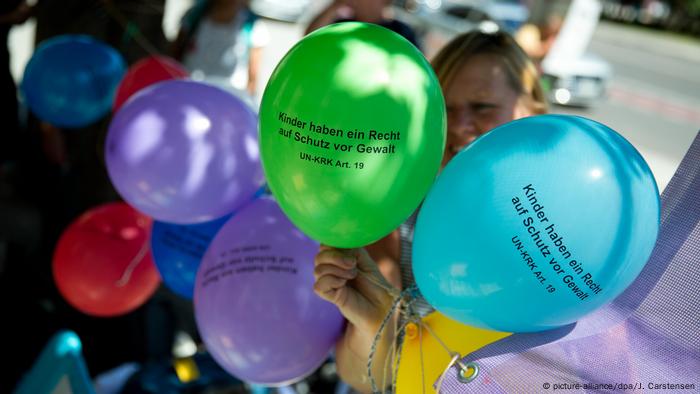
x=536, y=224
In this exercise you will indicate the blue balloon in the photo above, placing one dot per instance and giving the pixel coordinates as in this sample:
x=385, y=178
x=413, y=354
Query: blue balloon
x=536, y=224
x=178, y=250
x=70, y=81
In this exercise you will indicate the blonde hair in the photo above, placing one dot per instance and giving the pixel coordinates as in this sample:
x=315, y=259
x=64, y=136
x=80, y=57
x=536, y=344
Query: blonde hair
x=521, y=71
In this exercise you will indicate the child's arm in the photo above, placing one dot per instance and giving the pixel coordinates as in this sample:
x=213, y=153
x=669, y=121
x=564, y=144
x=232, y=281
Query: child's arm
x=350, y=279
x=254, y=62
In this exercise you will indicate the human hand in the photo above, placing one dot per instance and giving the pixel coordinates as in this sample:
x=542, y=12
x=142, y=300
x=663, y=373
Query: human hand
x=350, y=279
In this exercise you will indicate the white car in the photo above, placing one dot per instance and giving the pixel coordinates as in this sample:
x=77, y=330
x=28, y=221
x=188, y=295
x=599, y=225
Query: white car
x=284, y=10
x=510, y=14
x=573, y=76
x=580, y=81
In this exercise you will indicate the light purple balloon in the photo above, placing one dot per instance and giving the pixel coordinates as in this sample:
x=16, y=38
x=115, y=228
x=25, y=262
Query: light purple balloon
x=184, y=152
x=254, y=301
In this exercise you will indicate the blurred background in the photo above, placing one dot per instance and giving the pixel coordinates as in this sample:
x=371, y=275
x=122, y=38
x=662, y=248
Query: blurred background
x=638, y=73
x=632, y=65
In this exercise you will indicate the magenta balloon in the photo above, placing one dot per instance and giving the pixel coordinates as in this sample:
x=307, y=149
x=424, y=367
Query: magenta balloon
x=184, y=152
x=254, y=301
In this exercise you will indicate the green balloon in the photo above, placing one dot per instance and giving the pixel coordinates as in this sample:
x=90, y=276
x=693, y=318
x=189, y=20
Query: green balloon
x=352, y=131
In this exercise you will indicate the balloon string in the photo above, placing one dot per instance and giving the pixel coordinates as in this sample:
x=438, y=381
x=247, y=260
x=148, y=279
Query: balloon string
x=135, y=33
x=437, y=338
x=407, y=297
x=420, y=353
x=456, y=358
x=393, y=292
x=126, y=276
x=397, y=353
x=393, y=360
x=377, y=337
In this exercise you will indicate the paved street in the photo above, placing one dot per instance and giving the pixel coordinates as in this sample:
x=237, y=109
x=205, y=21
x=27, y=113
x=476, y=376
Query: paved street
x=654, y=97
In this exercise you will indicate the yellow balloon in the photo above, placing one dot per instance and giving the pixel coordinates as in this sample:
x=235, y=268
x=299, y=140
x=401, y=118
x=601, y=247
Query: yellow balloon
x=456, y=336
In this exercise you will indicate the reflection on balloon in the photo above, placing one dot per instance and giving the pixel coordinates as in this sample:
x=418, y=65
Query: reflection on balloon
x=178, y=250
x=70, y=80
x=254, y=301
x=184, y=152
x=102, y=265
x=147, y=72
x=536, y=224
x=352, y=126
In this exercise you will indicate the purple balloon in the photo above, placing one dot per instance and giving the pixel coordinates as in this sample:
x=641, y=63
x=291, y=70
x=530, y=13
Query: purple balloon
x=184, y=152
x=254, y=301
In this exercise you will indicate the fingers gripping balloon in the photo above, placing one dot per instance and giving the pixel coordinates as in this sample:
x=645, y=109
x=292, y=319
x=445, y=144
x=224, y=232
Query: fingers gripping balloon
x=535, y=224
x=352, y=129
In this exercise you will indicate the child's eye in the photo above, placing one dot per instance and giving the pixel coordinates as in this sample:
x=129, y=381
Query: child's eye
x=482, y=107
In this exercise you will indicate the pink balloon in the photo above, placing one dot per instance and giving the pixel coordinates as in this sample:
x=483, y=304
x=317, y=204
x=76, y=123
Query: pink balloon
x=147, y=72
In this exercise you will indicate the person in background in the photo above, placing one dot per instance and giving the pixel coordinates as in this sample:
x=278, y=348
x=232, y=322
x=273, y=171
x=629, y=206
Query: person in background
x=537, y=39
x=368, y=11
x=14, y=12
x=487, y=80
x=222, y=39
x=56, y=175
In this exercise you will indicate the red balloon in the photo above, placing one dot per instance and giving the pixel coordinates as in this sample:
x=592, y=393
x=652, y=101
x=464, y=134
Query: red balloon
x=102, y=264
x=146, y=72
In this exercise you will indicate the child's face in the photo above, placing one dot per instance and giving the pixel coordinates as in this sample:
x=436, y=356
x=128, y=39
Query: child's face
x=478, y=99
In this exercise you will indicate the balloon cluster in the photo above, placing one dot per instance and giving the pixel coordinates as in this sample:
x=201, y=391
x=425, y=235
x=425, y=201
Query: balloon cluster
x=186, y=154
x=532, y=226
x=558, y=211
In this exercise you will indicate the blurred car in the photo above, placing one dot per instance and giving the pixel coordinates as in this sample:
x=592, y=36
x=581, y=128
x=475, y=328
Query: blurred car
x=572, y=75
x=284, y=10
x=579, y=82
x=509, y=14
x=576, y=78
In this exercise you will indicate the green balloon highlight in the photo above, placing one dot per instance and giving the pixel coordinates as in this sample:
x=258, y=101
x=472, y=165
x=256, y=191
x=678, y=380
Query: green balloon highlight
x=352, y=132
